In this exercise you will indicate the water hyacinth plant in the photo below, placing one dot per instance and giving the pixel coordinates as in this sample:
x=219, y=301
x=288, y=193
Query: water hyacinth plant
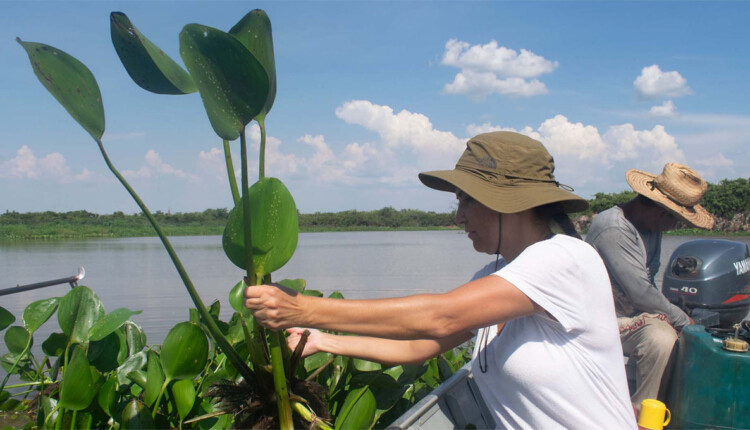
x=100, y=372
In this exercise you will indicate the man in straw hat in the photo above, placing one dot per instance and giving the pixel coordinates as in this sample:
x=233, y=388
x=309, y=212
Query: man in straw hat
x=628, y=238
x=547, y=352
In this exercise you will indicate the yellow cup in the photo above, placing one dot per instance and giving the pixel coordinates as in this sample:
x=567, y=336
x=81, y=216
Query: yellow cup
x=652, y=415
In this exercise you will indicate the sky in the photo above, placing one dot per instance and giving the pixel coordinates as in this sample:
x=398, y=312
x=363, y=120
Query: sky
x=372, y=92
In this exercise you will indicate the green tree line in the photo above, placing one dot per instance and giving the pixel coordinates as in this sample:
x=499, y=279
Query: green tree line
x=724, y=200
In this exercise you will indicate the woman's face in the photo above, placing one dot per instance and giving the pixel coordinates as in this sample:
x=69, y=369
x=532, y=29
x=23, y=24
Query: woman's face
x=480, y=222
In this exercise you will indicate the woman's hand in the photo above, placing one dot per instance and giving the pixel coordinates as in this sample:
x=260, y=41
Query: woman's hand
x=314, y=340
x=275, y=306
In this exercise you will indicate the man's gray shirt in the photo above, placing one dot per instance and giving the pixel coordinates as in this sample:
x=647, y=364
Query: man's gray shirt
x=632, y=260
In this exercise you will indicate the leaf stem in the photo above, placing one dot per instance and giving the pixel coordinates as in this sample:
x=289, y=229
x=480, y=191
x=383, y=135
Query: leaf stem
x=246, y=220
x=262, y=156
x=276, y=340
x=29, y=384
x=158, y=398
x=15, y=363
x=310, y=416
x=219, y=338
x=230, y=172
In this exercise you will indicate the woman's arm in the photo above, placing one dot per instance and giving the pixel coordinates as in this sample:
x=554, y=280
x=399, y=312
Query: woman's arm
x=480, y=303
x=386, y=351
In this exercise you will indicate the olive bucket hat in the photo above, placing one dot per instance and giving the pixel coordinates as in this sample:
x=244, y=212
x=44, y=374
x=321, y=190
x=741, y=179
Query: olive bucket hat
x=507, y=172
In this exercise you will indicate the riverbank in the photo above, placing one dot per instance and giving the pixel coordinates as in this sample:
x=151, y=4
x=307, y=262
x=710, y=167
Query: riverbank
x=85, y=225
x=22, y=233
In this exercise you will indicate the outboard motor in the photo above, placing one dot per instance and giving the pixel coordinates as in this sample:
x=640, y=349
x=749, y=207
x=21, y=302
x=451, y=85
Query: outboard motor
x=709, y=386
x=711, y=274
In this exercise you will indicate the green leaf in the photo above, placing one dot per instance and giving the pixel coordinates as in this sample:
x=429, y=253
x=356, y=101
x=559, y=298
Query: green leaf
x=107, y=395
x=155, y=379
x=133, y=363
x=147, y=65
x=386, y=389
x=297, y=285
x=358, y=411
x=312, y=293
x=71, y=83
x=16, y=339
x=316, y=360
x=136, y=416
x=46, y=406
x=77, y=388
x=110, y=322
x=336, y=295
x=135, y=337
x=79, y=309
x=365, y=365
x=104, y=354
x=184, y=396
x=55, y=344
x=232, y=83
x=215, y=310
x=138, y=377
x=237, y=299
x=221, y=422
x=184, y=352
x=273, y=223
x=39, y=312
x=6, y=318
x=83, y=420
x=10, y=405
x=254, y=31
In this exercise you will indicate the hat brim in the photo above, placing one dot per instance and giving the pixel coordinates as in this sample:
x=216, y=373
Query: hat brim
x=510, y=198
x=696, y=216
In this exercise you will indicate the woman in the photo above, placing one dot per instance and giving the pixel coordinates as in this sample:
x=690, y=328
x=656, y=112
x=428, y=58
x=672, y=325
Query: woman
x=550, y=355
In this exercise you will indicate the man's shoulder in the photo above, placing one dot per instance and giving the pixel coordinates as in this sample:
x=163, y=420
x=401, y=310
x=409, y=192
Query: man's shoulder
x=611, y=219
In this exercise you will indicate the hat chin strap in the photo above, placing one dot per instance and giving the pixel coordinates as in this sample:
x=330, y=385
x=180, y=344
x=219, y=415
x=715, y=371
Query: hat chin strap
x=499, y=237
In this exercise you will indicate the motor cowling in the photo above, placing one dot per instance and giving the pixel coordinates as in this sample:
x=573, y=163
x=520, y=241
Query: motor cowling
x=712, y=274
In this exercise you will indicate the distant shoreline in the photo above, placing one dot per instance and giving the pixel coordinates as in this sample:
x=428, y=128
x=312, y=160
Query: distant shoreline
x=217, y=231
x=16, y=227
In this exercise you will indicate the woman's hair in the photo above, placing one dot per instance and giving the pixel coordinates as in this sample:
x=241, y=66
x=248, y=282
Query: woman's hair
x=554, y=214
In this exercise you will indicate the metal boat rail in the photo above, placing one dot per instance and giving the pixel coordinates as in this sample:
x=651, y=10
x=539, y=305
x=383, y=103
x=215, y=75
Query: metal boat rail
x=455, y=404
x=72, y=280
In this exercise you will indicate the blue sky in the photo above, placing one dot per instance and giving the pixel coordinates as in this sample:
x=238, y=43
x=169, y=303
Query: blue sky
x=371, y=93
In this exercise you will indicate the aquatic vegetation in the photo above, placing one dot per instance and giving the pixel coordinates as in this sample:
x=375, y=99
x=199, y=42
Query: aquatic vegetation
x=207, y=373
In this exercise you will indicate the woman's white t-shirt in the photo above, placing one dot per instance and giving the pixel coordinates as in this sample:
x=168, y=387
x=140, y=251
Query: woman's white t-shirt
x=562, y=368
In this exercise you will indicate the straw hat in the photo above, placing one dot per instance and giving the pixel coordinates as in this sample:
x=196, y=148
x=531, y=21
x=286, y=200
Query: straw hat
x=678, y=189
x=507, y=172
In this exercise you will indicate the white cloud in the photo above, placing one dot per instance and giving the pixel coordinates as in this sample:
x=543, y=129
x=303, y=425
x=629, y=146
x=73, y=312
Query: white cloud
x=405, y=130
x=717, y=161
x=496, y=59
x=475, y=129
x=213, y=162
x=575, y=139
x=489, y=68
x=154, y=166
x=583, y=156
x=480, y=85
x=408, y=143
x=666, y=109
x=52, y=166
x=653, y=147
x=654, y=83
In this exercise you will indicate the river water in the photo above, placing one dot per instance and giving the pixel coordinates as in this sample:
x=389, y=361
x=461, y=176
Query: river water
x=136, y=273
